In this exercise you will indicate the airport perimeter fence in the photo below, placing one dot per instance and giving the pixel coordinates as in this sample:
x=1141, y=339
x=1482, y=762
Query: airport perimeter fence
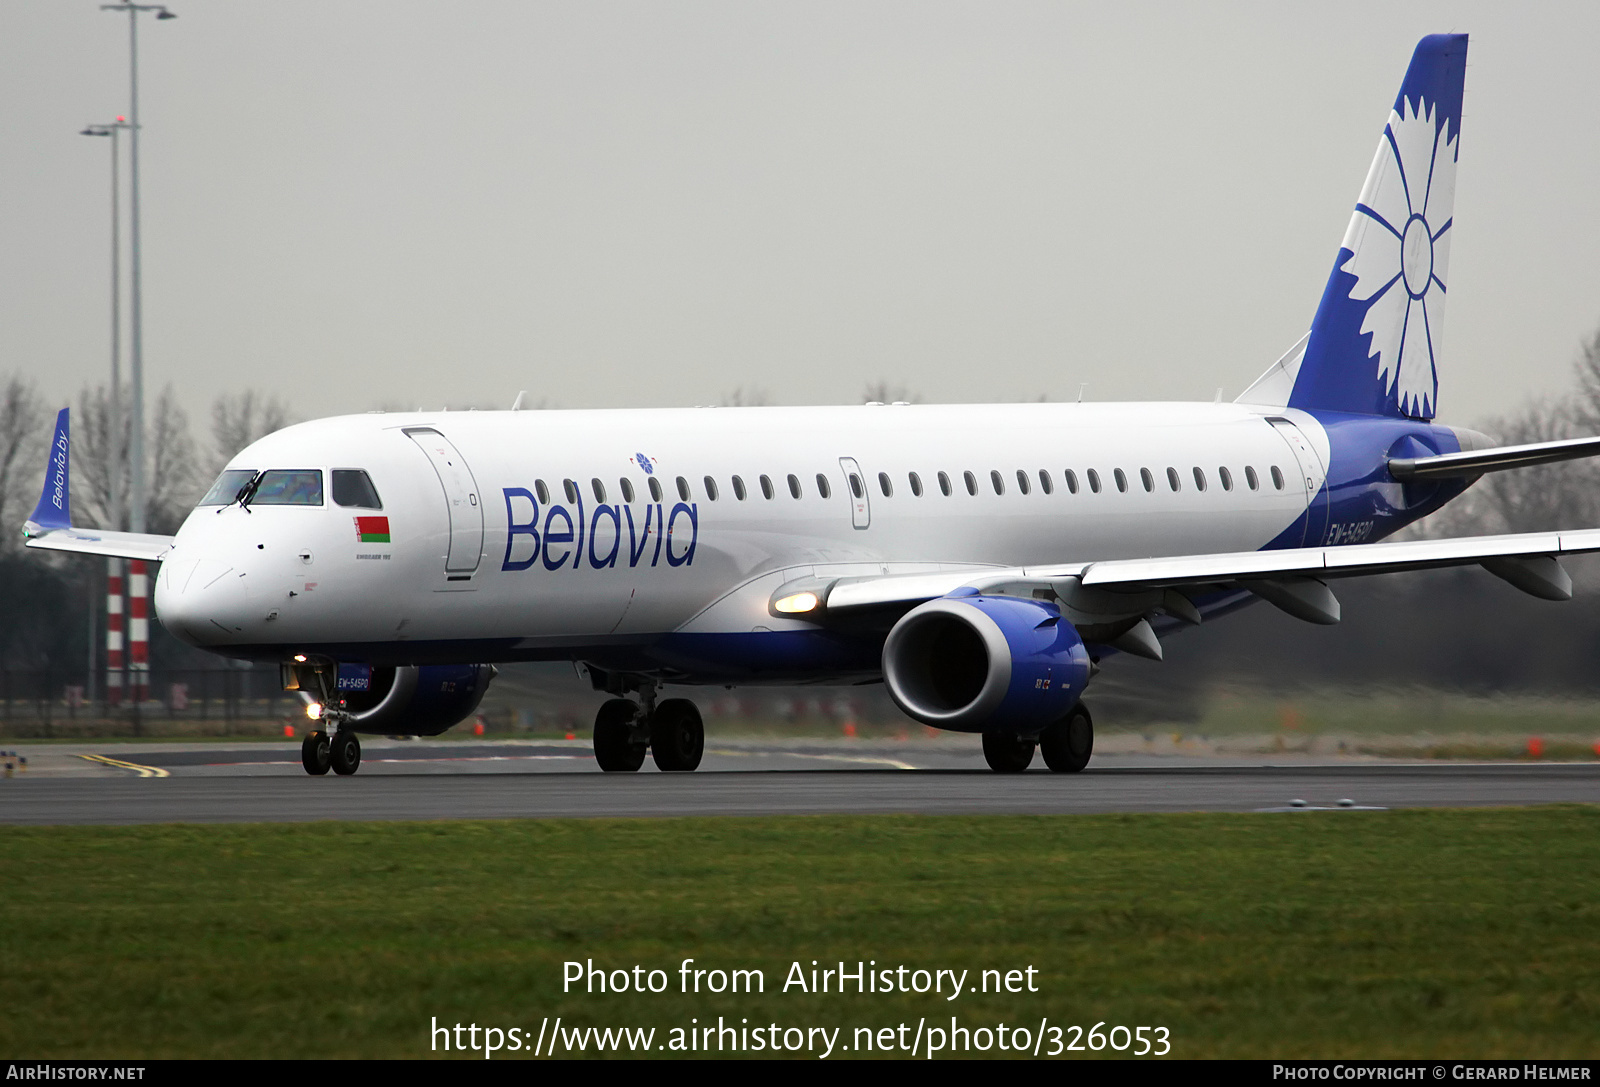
x=56, y=703
x=234, y=701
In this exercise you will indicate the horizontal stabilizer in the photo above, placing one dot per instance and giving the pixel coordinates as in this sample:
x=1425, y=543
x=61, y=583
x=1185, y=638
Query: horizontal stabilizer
x=1478, y=461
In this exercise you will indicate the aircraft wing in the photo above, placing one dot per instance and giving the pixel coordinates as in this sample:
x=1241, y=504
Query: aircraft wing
x=89, y=541
x=51, y=527
x=1293, y=578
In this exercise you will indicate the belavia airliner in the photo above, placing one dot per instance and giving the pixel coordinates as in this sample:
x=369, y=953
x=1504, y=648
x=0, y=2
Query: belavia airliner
x=983, y=562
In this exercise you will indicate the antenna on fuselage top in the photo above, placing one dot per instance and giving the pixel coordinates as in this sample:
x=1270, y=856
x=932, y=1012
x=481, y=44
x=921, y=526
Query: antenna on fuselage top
x=1082, y=385
x=516, y=405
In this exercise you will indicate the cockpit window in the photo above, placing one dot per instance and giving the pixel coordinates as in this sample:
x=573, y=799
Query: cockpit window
x=352, y=487
x=227, y=487
x=289, y=487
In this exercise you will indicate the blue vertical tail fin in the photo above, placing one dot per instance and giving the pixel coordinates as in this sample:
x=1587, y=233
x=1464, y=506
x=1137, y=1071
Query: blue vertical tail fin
x=55, y=502
x=1374, y=343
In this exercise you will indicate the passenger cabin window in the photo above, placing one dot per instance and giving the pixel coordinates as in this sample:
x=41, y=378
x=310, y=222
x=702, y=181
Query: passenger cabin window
x=738, y=488
x=997, y=482
x=971, y=482
x=1173, y=481
x=1277, y=478
x=794, y=485
x=1046, y=484
x=711, y=488
x=766, y=487
x=1122, y=479
x=1094, y=481
x=916, y=484
x=655, y=488
x=1199, y=478
x=884, y=485
x=351, y=487
x=542, y=491
x=1072, y=481
x=1022, y=481
x=627, y=489
x=227, y=487
x=822, y=486
x=1147, y=479
x=944, y=484
x=1226, y=477
x=598, y=488
x=571, y=488
x=1251, y=479
x=683, y=488
x=289, y=487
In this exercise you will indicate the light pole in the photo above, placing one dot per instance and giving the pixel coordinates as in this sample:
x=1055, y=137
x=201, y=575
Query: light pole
x=113, y=438
x=114, y=429
x=136, y=324
x=138, y=594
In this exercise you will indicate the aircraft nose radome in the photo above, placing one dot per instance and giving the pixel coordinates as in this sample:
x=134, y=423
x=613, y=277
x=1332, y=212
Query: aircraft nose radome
x=200, y=601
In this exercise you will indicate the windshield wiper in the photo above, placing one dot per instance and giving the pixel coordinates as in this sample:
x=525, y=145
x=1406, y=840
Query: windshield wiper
x=248, y=491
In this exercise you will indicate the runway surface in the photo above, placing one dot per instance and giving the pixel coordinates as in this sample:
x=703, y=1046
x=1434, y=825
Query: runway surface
x=112, y=783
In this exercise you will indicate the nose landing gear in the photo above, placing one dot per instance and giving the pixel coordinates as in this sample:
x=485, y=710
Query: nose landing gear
x=344, y=751
x=337, y=750
x=320, y=752
x=314, y=753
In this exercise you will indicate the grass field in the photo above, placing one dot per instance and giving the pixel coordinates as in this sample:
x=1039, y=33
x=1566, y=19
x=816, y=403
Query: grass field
x=1408, y=933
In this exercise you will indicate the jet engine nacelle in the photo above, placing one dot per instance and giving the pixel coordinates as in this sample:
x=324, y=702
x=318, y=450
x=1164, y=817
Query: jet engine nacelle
x=417, y=700
x=975, y=663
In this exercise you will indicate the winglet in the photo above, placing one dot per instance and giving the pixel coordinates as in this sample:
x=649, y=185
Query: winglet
x=55, y=501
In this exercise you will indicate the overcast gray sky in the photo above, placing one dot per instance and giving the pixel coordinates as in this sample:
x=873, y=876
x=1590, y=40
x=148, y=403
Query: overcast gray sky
x=637, y=204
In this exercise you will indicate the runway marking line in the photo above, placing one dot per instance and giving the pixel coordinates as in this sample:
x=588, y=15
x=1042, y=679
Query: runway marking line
x=443, y=758
x=142, y=771
x=867, y=759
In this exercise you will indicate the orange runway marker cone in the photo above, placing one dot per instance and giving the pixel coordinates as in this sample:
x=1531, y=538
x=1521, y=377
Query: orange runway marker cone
x=1535, y=747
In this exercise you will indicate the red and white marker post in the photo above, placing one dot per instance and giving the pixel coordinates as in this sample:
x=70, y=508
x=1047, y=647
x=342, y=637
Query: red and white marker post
x=113, y=632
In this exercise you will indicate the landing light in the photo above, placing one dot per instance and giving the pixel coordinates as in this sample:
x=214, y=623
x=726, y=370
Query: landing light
x=797, y=603
x=314, y=711
x=299, y=658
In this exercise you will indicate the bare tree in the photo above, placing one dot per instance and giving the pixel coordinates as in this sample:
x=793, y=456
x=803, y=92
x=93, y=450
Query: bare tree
x=237, y=419
x=1552, y=496
x=1562, y=495
x=23, y=437
x=1586, y=409
x=171, y=465
x=881, y=392
x=98, y=456
x=747, y=397
x=175, y=478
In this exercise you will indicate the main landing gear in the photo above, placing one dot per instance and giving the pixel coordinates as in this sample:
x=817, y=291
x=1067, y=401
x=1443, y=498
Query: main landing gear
x=1066, y=745
x=671, y=731
x=340, y=753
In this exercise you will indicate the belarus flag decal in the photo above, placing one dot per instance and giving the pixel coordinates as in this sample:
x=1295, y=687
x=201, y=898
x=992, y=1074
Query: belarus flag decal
x=372, y=529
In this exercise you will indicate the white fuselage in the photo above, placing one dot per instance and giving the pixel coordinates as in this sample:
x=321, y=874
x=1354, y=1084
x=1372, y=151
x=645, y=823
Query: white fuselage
x=532, y=543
